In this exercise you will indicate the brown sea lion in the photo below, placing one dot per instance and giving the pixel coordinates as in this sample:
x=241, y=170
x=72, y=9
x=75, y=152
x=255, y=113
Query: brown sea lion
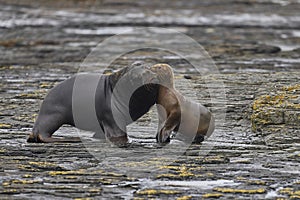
x=62, y=106
x=178, y=114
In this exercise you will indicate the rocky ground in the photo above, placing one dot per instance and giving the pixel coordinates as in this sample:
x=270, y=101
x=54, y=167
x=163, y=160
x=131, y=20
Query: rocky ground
x=254, y=152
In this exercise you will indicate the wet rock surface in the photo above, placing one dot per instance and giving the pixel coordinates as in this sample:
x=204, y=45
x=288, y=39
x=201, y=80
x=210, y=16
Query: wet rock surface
x=254, y=154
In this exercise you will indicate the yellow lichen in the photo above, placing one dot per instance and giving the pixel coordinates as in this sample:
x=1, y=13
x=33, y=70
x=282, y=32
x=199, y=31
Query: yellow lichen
x=167, y=176
x=242, y=161
x=256, y=182
x=291, y=87
x=286, y=191
x=142, y=163
x=295, y=197
x=290, y=191
x=46, y=85
x=180, y=172
x=8, y=191
x=269, y=109
x=157, y=192
x=178, y=76
x=17, y=181
x=184, y=198
x=212, y=159
x=5, y=125
x=251, y=182
x=71, y=172
x=244, y=191
x=5, y=183
x=27, y=176
x=240, y=178
x=42, y=164
x=184, y=172
x=37, y=94
x=4, y=67
x=25, y=118
x=196, y=168
x=212, y=195
x=278, y=100
x=105, y=182
x=209, y=174
x=95, y=190
x=296, y=192
x=170, y=167
x=27, y=168
x=113, y=174
x=2, y=150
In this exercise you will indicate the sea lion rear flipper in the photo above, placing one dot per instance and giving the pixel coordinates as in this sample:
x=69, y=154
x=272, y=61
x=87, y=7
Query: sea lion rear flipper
x=67, y=140
x=40, y=139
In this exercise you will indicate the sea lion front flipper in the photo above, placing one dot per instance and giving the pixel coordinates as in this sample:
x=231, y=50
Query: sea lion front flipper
x=115, y=134
x=162, y=118
x=163, y=136
x=99, y=134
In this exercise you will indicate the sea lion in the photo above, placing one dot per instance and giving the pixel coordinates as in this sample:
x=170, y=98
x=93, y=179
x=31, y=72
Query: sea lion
x=61, y=106
x=177, y=113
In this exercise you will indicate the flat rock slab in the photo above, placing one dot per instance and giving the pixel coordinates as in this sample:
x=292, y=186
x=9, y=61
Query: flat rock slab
x=278, y=110
x=254, y=152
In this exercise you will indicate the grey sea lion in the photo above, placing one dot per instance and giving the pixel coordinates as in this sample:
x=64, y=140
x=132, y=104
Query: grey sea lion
x=61, y=106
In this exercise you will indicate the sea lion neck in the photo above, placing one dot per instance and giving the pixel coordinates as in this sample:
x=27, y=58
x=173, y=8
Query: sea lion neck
x=114, y=77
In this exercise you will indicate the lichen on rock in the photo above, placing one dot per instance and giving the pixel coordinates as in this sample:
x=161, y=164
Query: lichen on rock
x=280, y=108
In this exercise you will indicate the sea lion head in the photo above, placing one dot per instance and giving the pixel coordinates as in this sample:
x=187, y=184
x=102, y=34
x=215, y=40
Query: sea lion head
x=140, y=73
x=136, y=75
x=165, y=74
x=135, y=90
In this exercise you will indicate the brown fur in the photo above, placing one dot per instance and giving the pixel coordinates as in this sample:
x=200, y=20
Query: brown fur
x=177, y=113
